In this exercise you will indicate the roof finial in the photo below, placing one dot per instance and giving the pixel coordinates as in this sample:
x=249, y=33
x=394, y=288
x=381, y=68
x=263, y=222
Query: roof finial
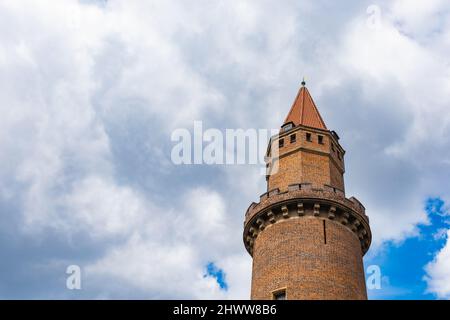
x=303, y=82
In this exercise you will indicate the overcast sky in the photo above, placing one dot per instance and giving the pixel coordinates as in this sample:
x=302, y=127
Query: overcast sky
x=91, y=91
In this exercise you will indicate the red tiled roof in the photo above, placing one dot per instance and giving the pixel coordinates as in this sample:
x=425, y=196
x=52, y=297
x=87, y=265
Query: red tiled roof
x=304, y=111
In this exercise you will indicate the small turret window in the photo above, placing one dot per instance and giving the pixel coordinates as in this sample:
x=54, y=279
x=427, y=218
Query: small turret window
x=287, y=126
x=320, y=139
x=293, y=138
x=308, y=136
x=281, y=143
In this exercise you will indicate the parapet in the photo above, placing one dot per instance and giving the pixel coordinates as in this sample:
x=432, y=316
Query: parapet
x=304, y=199
x=306, y=190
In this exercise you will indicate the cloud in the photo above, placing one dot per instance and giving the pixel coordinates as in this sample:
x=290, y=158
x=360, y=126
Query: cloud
x=103, y=208
x=395, y=90
x=438, y=269
x=438, y=272
x=154, y=263
x=417, y=17
x=90, y=92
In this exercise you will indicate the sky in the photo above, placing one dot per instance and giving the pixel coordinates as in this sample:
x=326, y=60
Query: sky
x=91, y=92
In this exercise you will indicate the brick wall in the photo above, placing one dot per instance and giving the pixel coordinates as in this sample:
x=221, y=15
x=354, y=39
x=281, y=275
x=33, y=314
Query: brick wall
x=293, y=255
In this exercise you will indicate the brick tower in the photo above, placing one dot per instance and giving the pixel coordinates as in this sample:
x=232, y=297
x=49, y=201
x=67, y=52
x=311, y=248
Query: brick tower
x=306, y=238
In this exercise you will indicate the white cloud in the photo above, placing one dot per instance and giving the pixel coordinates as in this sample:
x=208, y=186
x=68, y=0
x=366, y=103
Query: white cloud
x=74, y=75
x=402, y=108
x=102, y=208
x=438, y=272
x=174, y=265
x=395, y=64
x=66, y=70
x=416, y=17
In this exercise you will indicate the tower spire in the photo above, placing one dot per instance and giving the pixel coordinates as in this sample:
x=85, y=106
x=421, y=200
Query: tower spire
x=304, y=111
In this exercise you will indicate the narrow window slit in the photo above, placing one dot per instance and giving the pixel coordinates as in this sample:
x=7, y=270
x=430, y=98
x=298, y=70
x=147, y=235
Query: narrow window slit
x=279, y=295
x=324, y=233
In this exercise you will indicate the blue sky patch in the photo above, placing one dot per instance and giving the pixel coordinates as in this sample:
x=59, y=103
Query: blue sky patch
x=213, y=271
x=402, y=265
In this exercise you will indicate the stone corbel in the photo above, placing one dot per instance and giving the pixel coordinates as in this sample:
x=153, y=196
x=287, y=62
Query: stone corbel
x=260, y=224
x=300, y=209
x=362, y=234
x=316, y=209
x=332, y=213
x=345, y=217
x=285, y=212
x=355, y=225
x=271, y=216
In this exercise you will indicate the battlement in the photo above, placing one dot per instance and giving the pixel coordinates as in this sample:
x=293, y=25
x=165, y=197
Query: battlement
x=305, y=200
x=306, y=190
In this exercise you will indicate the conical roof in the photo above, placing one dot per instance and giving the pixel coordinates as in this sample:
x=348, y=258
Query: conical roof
x=304, y=111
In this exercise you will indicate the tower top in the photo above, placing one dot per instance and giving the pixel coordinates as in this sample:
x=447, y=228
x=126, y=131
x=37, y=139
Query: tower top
x=304, y=111
x=304, y=227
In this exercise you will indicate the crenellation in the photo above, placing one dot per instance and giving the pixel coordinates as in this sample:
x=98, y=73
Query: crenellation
x=274, y=192
x=263, y=197
x=305, y=190
x=280, y=212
